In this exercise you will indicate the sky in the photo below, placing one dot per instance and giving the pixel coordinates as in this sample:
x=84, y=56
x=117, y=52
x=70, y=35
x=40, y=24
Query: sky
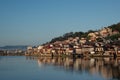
x=33, y=22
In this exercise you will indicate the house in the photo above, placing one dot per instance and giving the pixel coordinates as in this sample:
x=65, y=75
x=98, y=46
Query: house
x=40, y=47
x=29, y=50
x=92, y=35
x=35, y=50
x=115, y=32
x=83, y=40
x=105, y=32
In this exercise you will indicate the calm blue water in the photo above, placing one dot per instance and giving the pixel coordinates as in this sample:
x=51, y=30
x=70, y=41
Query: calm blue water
x=45, y=68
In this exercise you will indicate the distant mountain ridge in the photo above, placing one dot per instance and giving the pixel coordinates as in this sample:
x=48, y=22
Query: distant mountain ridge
x=14, y=47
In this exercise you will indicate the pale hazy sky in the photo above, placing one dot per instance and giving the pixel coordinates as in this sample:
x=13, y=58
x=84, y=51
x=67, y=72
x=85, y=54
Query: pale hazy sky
x=33, y=22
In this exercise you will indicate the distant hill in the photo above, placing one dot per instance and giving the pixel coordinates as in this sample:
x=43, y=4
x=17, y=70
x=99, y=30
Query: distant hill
x=14, y=47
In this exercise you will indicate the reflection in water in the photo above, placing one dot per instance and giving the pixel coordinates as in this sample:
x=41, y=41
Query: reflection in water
x=108, y=68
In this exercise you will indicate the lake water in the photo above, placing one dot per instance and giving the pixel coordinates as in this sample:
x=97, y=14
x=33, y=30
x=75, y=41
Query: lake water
x=47, y=68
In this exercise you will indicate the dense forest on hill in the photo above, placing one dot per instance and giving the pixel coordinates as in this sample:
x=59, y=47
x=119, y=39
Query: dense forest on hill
x=85, y=34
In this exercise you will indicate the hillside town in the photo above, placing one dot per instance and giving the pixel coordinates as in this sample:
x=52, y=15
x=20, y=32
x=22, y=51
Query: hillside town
x=95, y=44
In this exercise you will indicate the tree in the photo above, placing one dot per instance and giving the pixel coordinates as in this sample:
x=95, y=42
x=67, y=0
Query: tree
x=115, y=27
x=114, y=37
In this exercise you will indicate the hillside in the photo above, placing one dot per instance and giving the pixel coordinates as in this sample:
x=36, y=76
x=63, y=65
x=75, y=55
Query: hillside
x=114, y=27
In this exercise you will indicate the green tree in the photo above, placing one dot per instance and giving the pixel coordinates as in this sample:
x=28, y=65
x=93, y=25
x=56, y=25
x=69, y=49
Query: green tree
x=115, y=27
x=113, y=37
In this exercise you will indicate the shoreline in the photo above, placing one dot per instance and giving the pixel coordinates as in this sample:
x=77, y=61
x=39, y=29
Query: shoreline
x=77, y=56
